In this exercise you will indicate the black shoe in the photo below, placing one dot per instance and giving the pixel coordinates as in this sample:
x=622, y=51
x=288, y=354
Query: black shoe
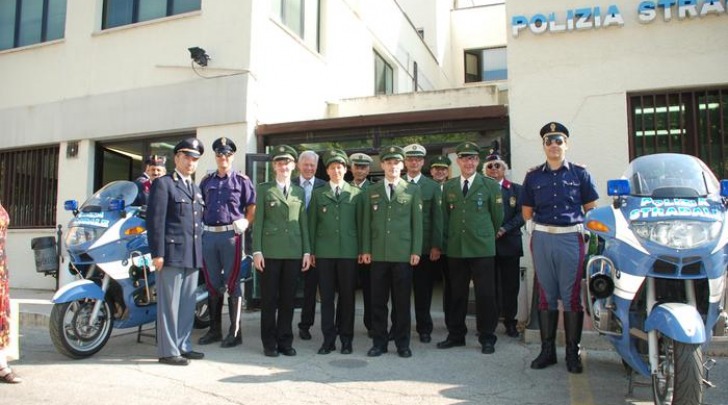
x=231, y=340
x=287, y=352
x=512, y=331
x=326, y=349
x=447, y=343
x=174, y=361
x=376, y=351
x=304, y=334
x=488, y=348
x=405, y=353
x=211, y=336
x=193, y=355
x=425, y=338
x=270, y=352
x=346, y=348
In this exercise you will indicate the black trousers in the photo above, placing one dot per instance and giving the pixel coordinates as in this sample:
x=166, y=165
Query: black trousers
x=423, y=282
x=365, y=280
x=481, y=270
x=308, y=308
x=444, y=265
x=277, y=293
x=396, y=278
x=337, y=275
x=508, y=283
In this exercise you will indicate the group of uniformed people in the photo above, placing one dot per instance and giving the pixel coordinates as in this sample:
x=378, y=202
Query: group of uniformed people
x=394, y=237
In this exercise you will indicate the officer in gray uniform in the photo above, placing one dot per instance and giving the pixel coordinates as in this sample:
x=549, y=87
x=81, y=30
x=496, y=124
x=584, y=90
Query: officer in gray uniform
x=174, y=230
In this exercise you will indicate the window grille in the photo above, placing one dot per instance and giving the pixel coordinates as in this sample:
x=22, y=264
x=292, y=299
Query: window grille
x=29, y=186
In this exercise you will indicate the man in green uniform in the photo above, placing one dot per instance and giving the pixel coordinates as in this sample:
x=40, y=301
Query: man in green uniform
x=360, y=165
x=473, y=213
x=281, y=250
x=392, y=242
x=335, y=215
x=426, y=272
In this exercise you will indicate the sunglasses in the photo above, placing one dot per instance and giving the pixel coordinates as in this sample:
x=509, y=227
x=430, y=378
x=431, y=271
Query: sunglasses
x=493, y=166
x=559, y=140
x=226, y=154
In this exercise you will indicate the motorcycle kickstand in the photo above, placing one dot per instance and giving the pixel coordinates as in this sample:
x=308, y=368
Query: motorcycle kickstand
x=708, y=365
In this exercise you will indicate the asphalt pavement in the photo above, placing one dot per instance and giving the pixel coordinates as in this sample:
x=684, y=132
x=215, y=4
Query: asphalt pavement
x=127, y=372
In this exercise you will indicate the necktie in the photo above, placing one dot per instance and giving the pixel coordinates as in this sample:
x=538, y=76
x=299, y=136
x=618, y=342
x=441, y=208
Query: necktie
x=412, y=181
x=337, y=191
x=189, y=185
x=465, y=188
x=391, y=191
x=307, y=189
x=285, y=192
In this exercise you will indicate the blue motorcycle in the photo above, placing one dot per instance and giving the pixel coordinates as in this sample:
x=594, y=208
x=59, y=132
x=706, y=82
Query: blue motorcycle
x=108, y=250
x=657, y=283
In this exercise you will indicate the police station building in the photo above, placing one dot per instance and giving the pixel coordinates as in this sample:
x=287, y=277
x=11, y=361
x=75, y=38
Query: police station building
x=90, y=87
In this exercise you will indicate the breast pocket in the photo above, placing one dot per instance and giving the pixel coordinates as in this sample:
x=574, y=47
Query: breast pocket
x=573, y=190
x=183, y=205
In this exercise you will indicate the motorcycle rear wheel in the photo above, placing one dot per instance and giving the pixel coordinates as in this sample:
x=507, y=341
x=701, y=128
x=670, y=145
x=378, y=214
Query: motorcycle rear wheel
x=679, y=379
x=73, y=334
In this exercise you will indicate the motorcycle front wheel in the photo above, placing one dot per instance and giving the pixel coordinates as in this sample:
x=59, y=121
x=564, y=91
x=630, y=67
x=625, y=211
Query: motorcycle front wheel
x=679, y=379
x=74, y=333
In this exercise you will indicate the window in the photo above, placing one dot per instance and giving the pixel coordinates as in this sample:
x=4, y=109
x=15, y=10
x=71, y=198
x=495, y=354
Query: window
x=486, y=65
x=29, y=186
x=693, y=122
x=28, y=22
x=124, y=12
x=383, y=76
x=301, y=17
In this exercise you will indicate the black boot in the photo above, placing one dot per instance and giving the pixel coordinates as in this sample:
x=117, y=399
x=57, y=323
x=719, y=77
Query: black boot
x=235, y=335
x=573, y=324
x=214, y=304
x=548, y=321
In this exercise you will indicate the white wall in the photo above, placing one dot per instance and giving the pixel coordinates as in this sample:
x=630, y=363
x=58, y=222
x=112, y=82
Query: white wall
x=476, y=28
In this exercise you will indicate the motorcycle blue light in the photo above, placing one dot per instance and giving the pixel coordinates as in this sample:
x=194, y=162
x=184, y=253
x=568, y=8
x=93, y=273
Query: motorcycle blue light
x=70, y=205
x=618, y=187
x=724, y=188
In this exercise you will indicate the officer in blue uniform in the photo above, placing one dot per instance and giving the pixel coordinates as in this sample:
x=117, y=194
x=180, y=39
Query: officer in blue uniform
x=508, y=244
x=153, y=169
x=555, y=197
x=229, y=209
x=174, y=229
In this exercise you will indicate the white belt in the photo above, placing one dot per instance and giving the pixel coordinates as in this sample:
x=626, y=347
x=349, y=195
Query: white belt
x=558, y=229
x=221, y=228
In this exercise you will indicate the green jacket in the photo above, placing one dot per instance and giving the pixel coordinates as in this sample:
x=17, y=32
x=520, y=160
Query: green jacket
x=392, y=230
x=432, y=224
x=281, y=225
x=471, y=222
x=335, y=223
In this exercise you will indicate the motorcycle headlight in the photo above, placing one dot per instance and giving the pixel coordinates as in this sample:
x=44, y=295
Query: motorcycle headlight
x=79, y=235
x=678, y=234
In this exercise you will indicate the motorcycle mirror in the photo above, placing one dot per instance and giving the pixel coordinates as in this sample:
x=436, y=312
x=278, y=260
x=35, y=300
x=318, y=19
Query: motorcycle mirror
x=116, y=205
x=618, y=188
x=724, y=188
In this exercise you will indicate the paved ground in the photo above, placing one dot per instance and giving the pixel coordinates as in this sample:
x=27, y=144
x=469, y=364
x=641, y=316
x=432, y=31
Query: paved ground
x=128, y=372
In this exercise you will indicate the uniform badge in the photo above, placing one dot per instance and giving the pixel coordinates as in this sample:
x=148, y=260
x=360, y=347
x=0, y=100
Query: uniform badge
x=512, y=201
x=480, y=202
x=499, y=200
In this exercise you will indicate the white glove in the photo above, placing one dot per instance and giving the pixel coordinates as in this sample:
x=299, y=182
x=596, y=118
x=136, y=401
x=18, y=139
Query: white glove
x=529, y=226
x=240, y=225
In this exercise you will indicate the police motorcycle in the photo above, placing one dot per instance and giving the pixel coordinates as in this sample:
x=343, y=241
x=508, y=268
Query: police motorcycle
x=108, y=250
x=657, y=283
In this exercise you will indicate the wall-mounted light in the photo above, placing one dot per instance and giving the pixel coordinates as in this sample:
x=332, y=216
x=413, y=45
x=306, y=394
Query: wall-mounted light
x=199, y=56
x=72, y=150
